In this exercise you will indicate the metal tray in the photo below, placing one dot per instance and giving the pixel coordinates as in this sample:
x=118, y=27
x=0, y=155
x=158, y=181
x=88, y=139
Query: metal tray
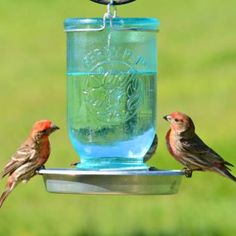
x=142, y=182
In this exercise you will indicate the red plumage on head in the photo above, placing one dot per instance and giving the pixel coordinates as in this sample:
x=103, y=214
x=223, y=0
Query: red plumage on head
x=42, y=125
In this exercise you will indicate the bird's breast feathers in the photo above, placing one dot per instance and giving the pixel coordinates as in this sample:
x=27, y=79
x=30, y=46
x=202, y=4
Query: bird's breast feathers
x=173, y=143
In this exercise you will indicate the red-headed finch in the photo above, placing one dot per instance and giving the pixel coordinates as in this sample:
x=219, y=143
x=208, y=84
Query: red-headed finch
x=29, y=157
x=187, y=148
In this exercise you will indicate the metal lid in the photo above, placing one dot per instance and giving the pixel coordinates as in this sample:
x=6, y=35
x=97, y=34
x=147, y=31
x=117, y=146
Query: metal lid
x=117, y=23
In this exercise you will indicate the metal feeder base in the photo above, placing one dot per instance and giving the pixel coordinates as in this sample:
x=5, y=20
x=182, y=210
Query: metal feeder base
x=142, y=182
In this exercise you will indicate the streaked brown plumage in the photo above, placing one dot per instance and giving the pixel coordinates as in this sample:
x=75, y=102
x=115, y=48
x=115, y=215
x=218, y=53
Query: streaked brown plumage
x=187, y=148
x=30, y=156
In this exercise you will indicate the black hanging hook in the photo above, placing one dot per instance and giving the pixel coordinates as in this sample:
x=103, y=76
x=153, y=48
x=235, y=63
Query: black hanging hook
x=112, y=2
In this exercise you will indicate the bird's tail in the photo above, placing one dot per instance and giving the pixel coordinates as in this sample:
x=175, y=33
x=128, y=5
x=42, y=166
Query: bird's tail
x=4, y=196
x=9, y=187
x=225, y=172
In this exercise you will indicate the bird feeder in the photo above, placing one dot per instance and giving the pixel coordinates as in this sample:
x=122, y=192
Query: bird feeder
x=111, y=95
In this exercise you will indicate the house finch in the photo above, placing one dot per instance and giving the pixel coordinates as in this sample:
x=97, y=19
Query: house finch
x=30, y=156
x=187, y=148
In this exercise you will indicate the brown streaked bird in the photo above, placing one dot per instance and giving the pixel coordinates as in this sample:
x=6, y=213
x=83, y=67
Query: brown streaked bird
x=29, y=157
x=187, y=148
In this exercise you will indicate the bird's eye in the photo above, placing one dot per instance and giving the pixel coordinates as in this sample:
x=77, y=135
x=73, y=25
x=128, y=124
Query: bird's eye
x=178, y=120
x=44, y=131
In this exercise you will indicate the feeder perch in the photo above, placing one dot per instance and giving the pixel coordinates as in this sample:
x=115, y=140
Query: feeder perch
x=111, y=87
x=157, y=182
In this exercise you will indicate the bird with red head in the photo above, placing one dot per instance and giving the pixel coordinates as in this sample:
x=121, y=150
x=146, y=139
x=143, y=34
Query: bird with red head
x=187, y=147
x=29, y=157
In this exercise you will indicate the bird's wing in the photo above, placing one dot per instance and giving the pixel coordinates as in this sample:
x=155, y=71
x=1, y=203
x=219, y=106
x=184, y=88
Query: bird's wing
x=200, y=153
x=22, y=155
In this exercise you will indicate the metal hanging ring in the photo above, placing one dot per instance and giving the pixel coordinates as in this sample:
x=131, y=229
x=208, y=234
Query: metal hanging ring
x=108, y=18
x=114, y=2
x=109, y=13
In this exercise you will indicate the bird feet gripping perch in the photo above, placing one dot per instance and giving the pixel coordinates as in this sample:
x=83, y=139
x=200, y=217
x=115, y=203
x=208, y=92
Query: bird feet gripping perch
x=187, y=172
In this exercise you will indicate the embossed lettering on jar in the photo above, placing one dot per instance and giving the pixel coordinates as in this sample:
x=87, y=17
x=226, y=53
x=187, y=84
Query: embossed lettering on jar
x=112, y=96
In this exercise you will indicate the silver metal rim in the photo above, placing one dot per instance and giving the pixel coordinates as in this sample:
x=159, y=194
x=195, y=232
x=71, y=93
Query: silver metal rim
x=116, y=182
x=75, y=172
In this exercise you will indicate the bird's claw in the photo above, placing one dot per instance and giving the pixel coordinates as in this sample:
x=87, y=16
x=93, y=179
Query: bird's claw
x=152, y=168
x=41, y=168
x=75, y=163
x=188, y=172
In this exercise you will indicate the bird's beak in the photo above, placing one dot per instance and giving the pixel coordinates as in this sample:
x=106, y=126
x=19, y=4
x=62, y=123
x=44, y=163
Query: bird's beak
x=167, y=117
x=54, y=128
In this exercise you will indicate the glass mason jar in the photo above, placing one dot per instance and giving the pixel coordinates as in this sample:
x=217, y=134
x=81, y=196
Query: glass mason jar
x=111, y=88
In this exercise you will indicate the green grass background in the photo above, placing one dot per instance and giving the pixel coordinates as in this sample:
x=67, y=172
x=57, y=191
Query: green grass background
x=197, y=64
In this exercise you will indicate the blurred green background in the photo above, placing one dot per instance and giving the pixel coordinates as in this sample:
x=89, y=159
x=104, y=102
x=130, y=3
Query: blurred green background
x=197, y=58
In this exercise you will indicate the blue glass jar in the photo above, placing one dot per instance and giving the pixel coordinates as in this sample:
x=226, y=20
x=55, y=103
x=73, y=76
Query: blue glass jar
x=111, y=87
